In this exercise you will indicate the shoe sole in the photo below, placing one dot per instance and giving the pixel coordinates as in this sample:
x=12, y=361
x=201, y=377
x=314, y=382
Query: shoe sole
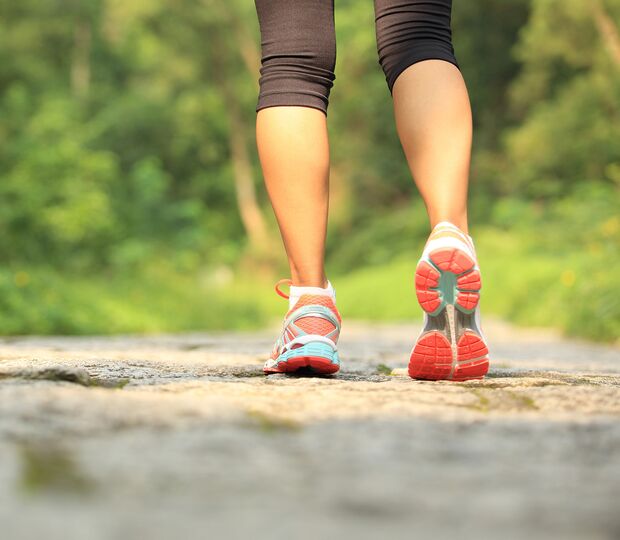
x=451, y=346
x=319, y=358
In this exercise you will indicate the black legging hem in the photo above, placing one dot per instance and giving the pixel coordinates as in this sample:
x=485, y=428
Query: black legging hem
x=413, y=58
x=298, y=45
x=294, y=99
x=300, y=99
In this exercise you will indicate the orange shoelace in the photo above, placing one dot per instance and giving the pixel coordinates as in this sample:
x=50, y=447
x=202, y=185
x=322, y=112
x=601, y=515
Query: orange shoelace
x=286, y=281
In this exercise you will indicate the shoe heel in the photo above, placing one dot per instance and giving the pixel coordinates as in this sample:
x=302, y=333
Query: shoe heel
x=432, y=358
x=318, y=356
x=447, y=281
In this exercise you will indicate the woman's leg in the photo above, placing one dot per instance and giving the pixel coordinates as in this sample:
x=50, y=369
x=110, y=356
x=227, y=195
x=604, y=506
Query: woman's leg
x=294, y=154
x=433, y=119
x=298, y=57
x=431, y=105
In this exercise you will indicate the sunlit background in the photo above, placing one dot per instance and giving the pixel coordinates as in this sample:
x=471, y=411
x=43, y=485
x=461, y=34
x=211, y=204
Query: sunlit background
x=131, y=198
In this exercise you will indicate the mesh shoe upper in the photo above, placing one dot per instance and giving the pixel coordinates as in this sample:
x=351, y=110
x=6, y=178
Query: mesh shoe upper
x=313, y=318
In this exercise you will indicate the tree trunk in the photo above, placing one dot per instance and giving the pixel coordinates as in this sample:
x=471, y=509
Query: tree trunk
x=80, y=63
x=608, y=30
x=250, y=212
x=250, y=53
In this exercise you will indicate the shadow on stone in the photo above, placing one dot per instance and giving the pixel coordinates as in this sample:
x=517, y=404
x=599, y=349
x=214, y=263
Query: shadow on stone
x=66, y=374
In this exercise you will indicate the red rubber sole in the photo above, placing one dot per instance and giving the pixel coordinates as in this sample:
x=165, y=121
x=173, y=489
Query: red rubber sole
x=457, y=262
x=432, y=357
x=322, y=366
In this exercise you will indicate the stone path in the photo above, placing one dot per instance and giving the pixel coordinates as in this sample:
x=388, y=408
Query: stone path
x=183, y=437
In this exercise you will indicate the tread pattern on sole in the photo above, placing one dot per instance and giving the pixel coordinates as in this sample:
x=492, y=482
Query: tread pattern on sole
x=426, y=283
x=432, y=357
x=429, y=274
x=472, y=358
x=452, y=260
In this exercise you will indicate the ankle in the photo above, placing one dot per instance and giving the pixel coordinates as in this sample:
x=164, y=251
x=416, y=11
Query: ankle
x=460, y=222
x=306, y=279
x=296, y=292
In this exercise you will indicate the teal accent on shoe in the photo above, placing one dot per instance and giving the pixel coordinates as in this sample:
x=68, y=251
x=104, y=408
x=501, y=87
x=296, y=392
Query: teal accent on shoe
x=447, y=287
x=322, y=350
x=448, y=290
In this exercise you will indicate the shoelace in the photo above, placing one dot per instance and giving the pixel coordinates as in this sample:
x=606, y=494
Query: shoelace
x=286, y=281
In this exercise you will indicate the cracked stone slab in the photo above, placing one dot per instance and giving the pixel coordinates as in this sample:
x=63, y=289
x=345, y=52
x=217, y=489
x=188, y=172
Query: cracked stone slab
x=165, y=436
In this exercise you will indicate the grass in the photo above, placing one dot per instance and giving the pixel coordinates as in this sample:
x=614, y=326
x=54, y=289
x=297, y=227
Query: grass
x=43, y=301
x=382, y=369
x=564, y=289
x=529, y=279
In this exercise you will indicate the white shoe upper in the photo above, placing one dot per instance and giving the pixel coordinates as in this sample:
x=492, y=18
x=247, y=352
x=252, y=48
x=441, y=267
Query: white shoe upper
x=455, y=238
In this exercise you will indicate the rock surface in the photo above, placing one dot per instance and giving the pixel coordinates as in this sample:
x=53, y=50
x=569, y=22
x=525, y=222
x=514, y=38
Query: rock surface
x=183, y=437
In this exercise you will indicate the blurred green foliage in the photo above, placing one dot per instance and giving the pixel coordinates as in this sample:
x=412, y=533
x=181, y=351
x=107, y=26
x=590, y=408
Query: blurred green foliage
x=126, y=133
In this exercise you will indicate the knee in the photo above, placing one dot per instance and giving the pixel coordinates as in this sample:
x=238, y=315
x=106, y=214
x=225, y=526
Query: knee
x=298, y=60
x=407, y=34
x=298, y=77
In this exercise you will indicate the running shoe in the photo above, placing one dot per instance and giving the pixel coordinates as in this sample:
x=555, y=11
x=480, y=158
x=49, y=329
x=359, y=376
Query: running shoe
x=451, y=345
x=309, y=336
